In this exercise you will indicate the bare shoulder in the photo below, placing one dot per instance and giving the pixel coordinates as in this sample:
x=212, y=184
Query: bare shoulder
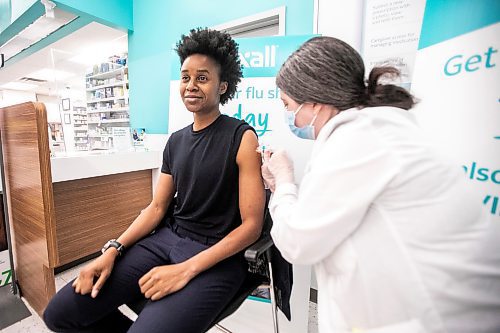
x=247, y=152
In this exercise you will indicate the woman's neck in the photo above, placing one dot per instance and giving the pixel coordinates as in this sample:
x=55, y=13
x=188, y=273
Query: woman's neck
x=326, y=113
x=202, y=120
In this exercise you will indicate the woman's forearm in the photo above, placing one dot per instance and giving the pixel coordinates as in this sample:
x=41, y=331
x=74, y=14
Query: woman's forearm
x=239, y=239
x=144, y=224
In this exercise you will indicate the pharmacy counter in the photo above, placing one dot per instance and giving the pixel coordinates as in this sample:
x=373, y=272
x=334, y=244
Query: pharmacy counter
x=79, y=165
x=96, y=197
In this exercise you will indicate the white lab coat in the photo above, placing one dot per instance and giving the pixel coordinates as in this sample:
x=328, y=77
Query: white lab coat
x=399, y=242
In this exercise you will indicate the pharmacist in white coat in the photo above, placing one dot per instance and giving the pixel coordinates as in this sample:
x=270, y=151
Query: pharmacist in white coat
x=398, y=241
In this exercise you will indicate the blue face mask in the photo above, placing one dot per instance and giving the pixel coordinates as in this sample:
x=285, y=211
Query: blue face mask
x=306, y=132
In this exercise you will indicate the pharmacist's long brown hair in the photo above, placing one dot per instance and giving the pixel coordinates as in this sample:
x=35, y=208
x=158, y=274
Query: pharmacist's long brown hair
x=327, y=70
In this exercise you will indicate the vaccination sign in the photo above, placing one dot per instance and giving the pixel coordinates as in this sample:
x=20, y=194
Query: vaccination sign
x=457, y=80
x=257, y=100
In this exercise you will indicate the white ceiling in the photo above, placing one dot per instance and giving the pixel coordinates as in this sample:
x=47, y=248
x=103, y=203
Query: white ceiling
x=64, y=63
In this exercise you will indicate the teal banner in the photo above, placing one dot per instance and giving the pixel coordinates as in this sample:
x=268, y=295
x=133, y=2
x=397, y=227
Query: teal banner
x=259, y=56
x=456, y=80
x=263, y=57
x=446, y=19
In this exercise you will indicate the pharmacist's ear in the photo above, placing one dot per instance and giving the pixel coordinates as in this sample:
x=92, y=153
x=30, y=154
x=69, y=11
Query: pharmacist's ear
x=222, y=87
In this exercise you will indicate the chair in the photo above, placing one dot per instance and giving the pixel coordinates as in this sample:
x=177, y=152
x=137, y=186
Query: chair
x=259, y=256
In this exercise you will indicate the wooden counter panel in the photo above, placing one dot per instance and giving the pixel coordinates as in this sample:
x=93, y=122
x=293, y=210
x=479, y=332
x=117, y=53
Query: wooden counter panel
x=29, y=188
x=3, y=233
x=91, y=211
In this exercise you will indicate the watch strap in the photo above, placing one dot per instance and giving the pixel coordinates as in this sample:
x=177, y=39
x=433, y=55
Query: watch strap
x=113, y=243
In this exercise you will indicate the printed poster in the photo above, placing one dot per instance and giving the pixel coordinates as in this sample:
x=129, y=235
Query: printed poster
x=457, y=80
x=390, y=35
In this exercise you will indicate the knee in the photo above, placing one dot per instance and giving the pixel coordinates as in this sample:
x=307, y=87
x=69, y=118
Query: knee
x=53, y=317
x=50, y=319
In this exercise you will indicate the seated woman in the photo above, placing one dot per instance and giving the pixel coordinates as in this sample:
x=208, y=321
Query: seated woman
x=191, y=268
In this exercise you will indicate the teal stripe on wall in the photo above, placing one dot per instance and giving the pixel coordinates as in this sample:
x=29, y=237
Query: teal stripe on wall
x=69, y=28
x=446, y=19
x=5, y=14
x=114, y=13
x=25, y=19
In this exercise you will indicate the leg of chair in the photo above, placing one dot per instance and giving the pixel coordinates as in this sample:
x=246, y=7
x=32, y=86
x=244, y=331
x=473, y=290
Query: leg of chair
x=274, y=305
x=222, y=328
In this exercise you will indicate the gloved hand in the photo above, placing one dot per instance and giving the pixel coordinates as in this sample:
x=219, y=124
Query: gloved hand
x=277, y=168
x=268, y=177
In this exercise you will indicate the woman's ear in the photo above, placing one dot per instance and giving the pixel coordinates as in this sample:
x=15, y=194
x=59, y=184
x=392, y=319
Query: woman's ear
x=222, y=87
x=328, y=109
x=317, y=107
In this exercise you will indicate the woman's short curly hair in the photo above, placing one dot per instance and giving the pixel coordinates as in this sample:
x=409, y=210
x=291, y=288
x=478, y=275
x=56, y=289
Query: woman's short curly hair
x=219, y=46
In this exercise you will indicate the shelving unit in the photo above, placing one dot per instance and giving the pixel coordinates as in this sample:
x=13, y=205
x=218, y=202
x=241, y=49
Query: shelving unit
x=80, y=128
x=107, y=105
x=57, y=137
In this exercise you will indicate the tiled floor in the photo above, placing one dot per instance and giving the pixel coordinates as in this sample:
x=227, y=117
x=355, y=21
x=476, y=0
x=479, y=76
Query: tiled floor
x=34, y=324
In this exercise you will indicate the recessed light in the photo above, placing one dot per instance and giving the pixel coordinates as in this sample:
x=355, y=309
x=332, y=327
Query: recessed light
x=51, y=75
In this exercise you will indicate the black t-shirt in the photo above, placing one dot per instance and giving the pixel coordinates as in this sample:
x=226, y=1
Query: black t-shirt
x=203, y=166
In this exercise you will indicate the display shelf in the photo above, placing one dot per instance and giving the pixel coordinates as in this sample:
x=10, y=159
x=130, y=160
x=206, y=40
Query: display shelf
x=99, y=135
x=116, y=70
x=106, y=99
x=80, y=128
x=109, y=121
x=107, y=104
x=114, y=84
x=124, y=109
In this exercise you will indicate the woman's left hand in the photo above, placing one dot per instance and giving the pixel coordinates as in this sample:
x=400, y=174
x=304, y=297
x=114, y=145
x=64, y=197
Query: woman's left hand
x=163, y=280
x=277, y=168
x=267, y=175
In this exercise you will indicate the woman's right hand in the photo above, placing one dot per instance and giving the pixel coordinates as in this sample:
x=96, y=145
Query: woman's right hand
x=99, y=268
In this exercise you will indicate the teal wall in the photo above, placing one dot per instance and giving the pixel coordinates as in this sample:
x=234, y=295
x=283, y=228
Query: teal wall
x=158, y=25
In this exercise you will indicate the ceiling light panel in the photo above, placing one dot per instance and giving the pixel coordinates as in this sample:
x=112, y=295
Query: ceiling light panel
x=18, y=86
x=51, y=75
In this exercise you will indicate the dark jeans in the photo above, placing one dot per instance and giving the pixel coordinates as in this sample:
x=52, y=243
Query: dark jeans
x=191, y=309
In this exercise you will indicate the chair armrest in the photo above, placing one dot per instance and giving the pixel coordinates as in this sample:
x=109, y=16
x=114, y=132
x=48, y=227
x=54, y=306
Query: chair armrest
x=258, y=248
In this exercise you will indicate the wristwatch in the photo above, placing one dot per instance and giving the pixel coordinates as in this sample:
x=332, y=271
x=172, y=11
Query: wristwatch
x=113, y=243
